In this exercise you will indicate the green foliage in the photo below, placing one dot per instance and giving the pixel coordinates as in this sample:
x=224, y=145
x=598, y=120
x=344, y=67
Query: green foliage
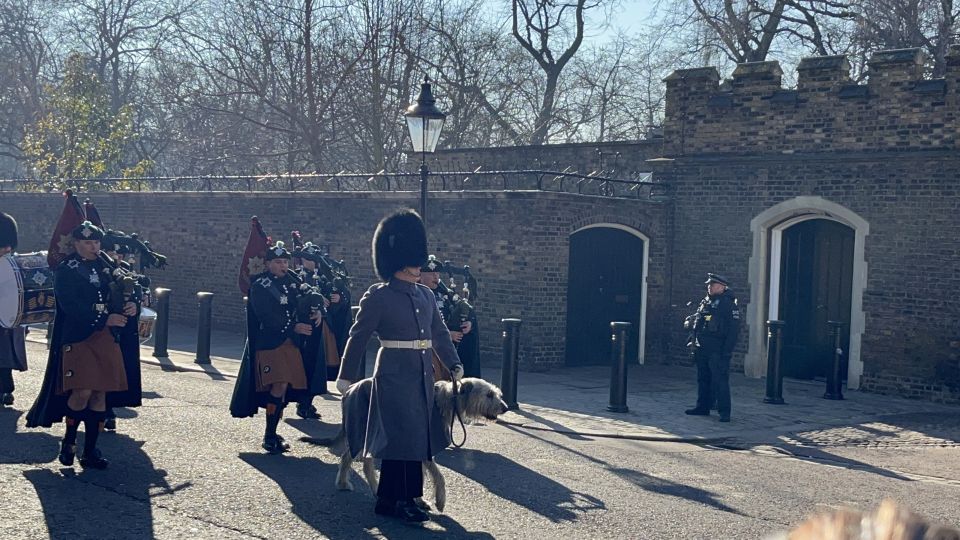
x=80, y=136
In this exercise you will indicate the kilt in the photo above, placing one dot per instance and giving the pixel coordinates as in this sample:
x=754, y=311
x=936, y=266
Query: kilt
x=281, y=365
x=95, y=363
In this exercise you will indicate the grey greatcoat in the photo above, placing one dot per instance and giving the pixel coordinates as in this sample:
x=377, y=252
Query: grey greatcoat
x=402, y=422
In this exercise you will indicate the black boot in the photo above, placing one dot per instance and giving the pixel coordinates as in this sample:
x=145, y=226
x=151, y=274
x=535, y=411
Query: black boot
x=272, y=442
x=92, y=458
x=68, y=446
x=408, y=510
x=110, y=421
x=8, y=398
x=697, y=411
x=307, y=411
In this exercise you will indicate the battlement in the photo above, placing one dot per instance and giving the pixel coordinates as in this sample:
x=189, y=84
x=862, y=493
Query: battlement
x=897, y=109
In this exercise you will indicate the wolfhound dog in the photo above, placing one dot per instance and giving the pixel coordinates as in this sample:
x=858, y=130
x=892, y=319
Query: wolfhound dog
x=475, y=399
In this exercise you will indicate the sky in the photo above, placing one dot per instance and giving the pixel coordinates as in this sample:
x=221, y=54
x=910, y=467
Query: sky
x=629, y=16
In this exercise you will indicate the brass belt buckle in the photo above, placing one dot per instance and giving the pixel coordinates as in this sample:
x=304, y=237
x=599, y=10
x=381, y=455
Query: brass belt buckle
x=423, y=344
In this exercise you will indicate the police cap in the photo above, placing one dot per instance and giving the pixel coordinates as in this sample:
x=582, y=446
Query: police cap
x=716, y=278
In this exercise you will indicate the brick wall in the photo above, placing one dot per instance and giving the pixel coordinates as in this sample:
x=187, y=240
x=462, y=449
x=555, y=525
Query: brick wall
x=516, y=243
x=886, y=150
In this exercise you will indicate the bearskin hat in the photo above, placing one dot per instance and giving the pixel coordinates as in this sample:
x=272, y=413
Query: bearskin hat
x=399, y=241
x=8, y=231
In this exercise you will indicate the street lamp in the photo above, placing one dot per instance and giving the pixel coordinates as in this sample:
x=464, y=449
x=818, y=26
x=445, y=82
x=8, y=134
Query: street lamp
x=424, y=120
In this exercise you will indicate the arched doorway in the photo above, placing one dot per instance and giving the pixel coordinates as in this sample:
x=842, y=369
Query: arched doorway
x=790, y=230
x=606, y=281
x=815, y=273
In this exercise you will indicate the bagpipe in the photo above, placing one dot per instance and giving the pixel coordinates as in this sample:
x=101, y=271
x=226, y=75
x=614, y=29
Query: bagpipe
x=461, y=310
x=470, y=285
x=147, y=257
x=123, y=287
x=333, y=277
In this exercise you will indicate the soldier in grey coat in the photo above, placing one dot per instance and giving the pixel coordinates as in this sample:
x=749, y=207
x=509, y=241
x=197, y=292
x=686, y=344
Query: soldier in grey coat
x=403, y=427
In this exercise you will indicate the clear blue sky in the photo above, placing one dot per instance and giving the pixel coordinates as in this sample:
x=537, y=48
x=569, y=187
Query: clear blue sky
x=629, y=16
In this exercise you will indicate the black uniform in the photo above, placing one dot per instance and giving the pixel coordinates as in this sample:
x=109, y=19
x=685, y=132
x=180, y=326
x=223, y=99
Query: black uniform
x=313, y=349
x=468, y=349
x=129, y=340
x=715, y=327
x=340, y=320
x=271, y=317
x=83, y=296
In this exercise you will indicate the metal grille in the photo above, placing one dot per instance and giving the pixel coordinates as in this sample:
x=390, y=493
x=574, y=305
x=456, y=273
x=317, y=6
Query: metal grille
x=639, y=186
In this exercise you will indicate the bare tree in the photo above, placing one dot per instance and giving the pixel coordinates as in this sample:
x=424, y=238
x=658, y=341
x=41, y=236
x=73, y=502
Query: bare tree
x=24, y=58
x=535, y=22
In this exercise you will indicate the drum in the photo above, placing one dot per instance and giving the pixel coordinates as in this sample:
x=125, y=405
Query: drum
x=148, y=318
x=26, y=290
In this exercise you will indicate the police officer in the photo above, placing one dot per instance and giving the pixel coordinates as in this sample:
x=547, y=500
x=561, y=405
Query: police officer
x=714, y=328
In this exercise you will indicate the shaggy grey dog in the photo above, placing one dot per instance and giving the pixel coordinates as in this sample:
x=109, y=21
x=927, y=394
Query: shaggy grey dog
x=476, y=398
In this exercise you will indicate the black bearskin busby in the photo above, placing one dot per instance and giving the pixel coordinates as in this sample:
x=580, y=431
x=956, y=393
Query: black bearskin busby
x=8, y=231
x=399, y=241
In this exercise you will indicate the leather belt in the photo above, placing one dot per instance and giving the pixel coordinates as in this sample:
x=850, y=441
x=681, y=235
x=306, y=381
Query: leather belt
x=416, y=344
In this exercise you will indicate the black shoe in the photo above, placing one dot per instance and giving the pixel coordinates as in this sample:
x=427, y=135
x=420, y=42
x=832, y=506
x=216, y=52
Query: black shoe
x=697, y=412
x=110, y=424
x=409, y=511
x=93, y=460
x=67, y=453
x=307, y=412
x=8, y=399
x=275, y=444
x=423, y=505
x=724, y=417
x=385, y=507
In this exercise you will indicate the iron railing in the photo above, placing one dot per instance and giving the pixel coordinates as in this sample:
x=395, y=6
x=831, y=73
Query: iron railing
x=639, y=185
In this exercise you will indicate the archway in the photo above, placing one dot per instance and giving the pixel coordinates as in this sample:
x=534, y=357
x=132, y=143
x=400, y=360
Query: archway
x=776, y=236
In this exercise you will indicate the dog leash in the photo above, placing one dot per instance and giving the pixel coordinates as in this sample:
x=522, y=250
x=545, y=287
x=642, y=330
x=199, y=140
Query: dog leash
x=456, y=415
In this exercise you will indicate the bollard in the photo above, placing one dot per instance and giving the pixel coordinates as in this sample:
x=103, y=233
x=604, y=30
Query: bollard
x=834, y=376
x=205, y=300
x=511, y=349
x=353, y=312
x=618, y=366
x=161, y=301
x=774, y=375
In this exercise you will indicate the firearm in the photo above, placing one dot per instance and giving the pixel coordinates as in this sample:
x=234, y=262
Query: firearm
x=692, y=323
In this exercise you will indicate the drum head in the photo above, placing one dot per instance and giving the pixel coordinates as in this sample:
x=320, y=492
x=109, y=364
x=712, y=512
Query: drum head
x=10, y=295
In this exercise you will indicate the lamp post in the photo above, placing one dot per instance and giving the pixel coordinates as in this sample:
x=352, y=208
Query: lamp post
x=424, y=120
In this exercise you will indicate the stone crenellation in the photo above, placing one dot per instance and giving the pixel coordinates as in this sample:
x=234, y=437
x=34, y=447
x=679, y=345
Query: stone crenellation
x=896, y=109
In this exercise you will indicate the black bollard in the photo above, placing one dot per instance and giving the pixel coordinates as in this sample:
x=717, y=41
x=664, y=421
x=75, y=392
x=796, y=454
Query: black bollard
x=511, y=349
x=205, y=300
x=834, y=376
x=161, y=329
x=774, y=374
x=353, y=312
x=620, y=333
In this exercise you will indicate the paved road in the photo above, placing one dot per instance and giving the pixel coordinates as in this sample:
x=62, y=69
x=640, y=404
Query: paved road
x=181, y=467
